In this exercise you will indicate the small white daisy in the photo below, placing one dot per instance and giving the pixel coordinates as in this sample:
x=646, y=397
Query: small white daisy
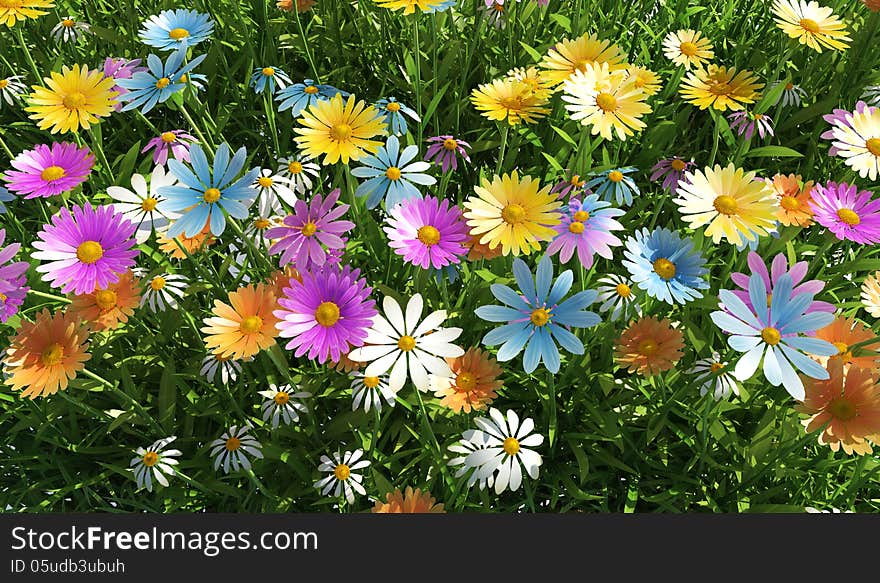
x=256, y=229
x=12, y=89
x=234, y=447
x=722, y=383
x=144, y=207
x=229, y=369
x=471, y=440
x=163, y=291
x=271, y=190
x=299, y=172
x=341, y=474
x=370, y=391
x=282, y=404
x=616, y=294
x=69, y=30
x=791, y=95
x=154, y=462
x=872, y=95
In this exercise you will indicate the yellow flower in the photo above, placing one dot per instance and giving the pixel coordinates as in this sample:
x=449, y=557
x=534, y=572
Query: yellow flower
x=340, y=131
x=508, y=99
x=569, y=56
x=607, y=100
x=245, y=327
x=74, y=98
x=644, y=79
x=688, y=47
x=734, y=203
x=512, y=213
x=409, y=6
x=13, y=10
x=813, y=25
x=537, y=80
x=721, y=88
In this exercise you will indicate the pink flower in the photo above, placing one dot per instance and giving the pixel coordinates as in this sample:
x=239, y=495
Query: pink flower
x=443, y=150
x=178, y=141
x=121, y=69
x=671, y=170
x=847, y=212
x=12, y=279
x=843, y=119
x=50, y=170
x=586, y=227
x=745, y=123
x=427, y=232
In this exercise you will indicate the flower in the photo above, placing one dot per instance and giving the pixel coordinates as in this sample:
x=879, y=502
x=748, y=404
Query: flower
x=616, y=294
x=341, y=474
x=234, y=447
x=76, y=98
x=84, y=250
x=163, y=291
x=121, y=69
x=856, y=138
x=282, y=404
x=535, y=78
x=745, y=124
x=871, y=294
x=665, y=265
x=267, y=78
x=568, y=56
x=645, y=79
x=13, y=280
x=472, y=440
x=270, y=188
x=607, y=100
x=391, y=173
x=205, y=196
x=412, y=502
x=811, y=24
x=614, y=184
x=407, y=347
x=312, y=227
x=586, y=227
x=181, y=246
x=172, y=30
x=844, y=119
x=10, y=12
x=339, y=132
x=301, y=5
x=688, y=47
x=649, y=346
x=509, y=99
x=538, y=317
x=49, y=170
x=847, y=212
x=774, y=334
x=299, y=172
x=495, y=13
x=871, y=94
x=370, y=391
x=671, y=170
x=427, y=232
x=244, y=328
x=109, y=308
x=11, y=88
x=791, y=94
x=732, y=202
x=159, y=82
x=570, y=186
x=299, y=96
x=393, y=111
x=68, y=30
x=778, y=268
x=409, y=6
x=229, y=369
x=444, y=151
x=142, y=207
x=844, y=333
x=710, y=373
x=45, y=355
x=480, y=251
x=795, y=198
x=720, y=88
x=512, y=213
x=473, y=383
x=872, y=5
x=175, y=141
x=154, y=462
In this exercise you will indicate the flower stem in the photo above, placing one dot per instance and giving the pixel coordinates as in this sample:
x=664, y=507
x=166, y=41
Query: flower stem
x=417, y=55
x=27, y=53
x=500, y=163
x=305, y=42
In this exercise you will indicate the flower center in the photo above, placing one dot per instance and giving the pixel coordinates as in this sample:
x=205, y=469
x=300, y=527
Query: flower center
x=719, y=88
x=310, y=90
x=576, y=181
x=295, y=167
x=540, y=317
x=3, y=298
x=606, y=102
x=251, y=325
x=465, y=381
x=393, y=173
x=843, y=351
x=183, y=78
x=873, y=145
x=309, y=229
x=68, y=23
x=789, y=203
x=809, y=25
x=168, y=137
x=648, y=347
x=688, y=49
x=450, y=144
x=371, y=382
x=11, y=3
x=849, y=217
x=758, y=116
x=4, y=83
x=342, y=472
x=106, y=299
x=639, y=81
x=261, y=224
x=576, y=227
x=664, y=268
x=151, y=458
x=178, y=33
x=281, y=398
x=513, y=103
x=842, y=409
x=716, y=366
x=157, y=283
x=233, y=443
x=53, y=355
x=340, y=132
x=771, y=336
x=268, y=71
x=327, y=314
x=406, y=343
x=678, y=165
x=511, y=446
x=581, y=216
x=513, y=214
x=163, y=83
x=726, y=205
x=89, y=252
x=149, y=204
x=789, y=86
x=393, y=107
x=615, y=176
x=52, y=173
x=264, y=181
x=428, y=235
x=74, y=100
x=623, y=290
x=211, y=195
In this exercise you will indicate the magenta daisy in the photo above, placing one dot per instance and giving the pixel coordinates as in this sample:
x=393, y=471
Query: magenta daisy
x=746, y=123
x=86, y=250
x=302, y=238
x=327, y=314
x=847, y=212
x=671, y=170
x=121, y=69
x=427, y=232
x=12, y=279
x=49, y=170
x=175, y=141
x=444, y=151
x=586, y=227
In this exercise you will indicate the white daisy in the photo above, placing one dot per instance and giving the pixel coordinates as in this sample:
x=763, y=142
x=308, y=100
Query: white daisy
x=872, y=95
x=144, y=207
x=506, y=448
x=341, y=474
x=229, y=369
x=710, y=376
x=471, y=440
x=154, y=462
x=234, y=447
x=370, y=391
x=299, y=171
x=616, y=293
x=12, y=89
x=256, y=229
x=406, y=346
x=281, y=404
x=271, y=190
x=163, y=291
x=857, y=140
x=791, y=95
x=69, y=30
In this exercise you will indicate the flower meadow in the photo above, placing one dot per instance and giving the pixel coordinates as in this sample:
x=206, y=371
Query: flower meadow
x=439, y=256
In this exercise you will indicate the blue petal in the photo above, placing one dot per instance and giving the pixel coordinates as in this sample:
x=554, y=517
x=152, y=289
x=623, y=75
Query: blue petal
x=498, y=313
x=524, y=280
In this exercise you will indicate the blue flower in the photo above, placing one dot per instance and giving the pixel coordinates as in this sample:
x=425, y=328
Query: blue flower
x=299, y=96
x=269, y=76
x=537, y=317
x=614, y=184
x=393, y=111
x=176, y=29
x=442, y=6
x=5, y=196
x=664, y=265
x=391, y=175
x=776, y=335
x=205, y=195
x=158, y=83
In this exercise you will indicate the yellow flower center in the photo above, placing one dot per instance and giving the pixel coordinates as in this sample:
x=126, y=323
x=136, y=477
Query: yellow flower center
x=74, y=100
x=151, y=458
x=89, y=252
x=726, y=205
x=639, y=81
x=771, y=336
x=842, y=351
x=342, y=472
x=281, y=398
x=340, y=132
x=576, y=181
x=106, y=299
x=513, y=214
x=758, y=116
x=849, y=217
x=261, y=224
x=163, y=83
x=664, y=268
x=268, y=71
x=512, y=103
x=576, y=227
x=68, y=23
x=581, y=216
x=168, y=137
x=53, y=355
x=615, y=176
x=719, y=88
x=809, y=25
x=327, y=314
x=393, y=173
x=178, y=33
x=688, y=49
x=371, y=382
x=3, y=298
x=309, y=229
x=465, y=382
x=606, y=102
x=873, y=145
x=428, y=235
x=511, y=446
x=211, y=195
x=149, y=204
x=310, y=90
x=11, y=3
x=251, y=325
x=233, y=443
x=295, y=167
x=678, y=165
x=540, y=317
x=647, y=347
x=264, y=181
x=623, y=290
x=406, y=343
x=842, y=409
x=716, y=366
x=789, y=203
x=393, y=107
x=52, y=173
x=157, y=283
x=4, y=83
x=183, y=78
x=450, y=144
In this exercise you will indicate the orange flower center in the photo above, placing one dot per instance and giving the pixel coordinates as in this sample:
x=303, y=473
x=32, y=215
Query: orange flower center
x=74, y=100
x=623, y=290
x=393, y=107
x=371, y=382
x=309, y=229
x=178, y=33
x=511, y=446
x=163, y=83
x=268, y=71
x=261, y=224
x=281, y=398
x=68, y=23
x=106, y=299
x=465, y=382
x=393, y=173
x=327, y=314
x=849, y=217
x=52, y=173
x=251, y=325
x=809, y=25
x=3, y=82
x=342, y=472
x=406, y=343
x=789, y=86
x=168, y=137
x=450, y=144
x=576, y=180
x=53, y=355
x=789, y=203
x=648, y=347
x=576, y=227
x=719, y=88
x=606, y=102
x=513, y=214
x=726, y=205
x=340, y=132
x=151, y=458
x=842, y=409
x=688, y=49
x=678, y=165
x=295, y=167
x=233, y=443
x=149, y=204
x=581, y=216
x=310, y=90
x=157, y=283
x=716, y=366
x=211, y=195
x=615, y=176
x=771, y=336
x=873, y=145
x=540, y=317
x=664, y=268
x=428, y=235
x=264, y=181
x=89, y=252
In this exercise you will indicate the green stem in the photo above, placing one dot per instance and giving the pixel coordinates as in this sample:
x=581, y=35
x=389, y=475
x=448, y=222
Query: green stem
x=27, y=53
x=438, y=454
x=500, y=163
x=270, y=116
x=305, y=42
x=551, y=395
x=417, y=55
x=196, y=129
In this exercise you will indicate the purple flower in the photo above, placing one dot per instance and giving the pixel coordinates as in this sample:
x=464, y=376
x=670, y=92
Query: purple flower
x=427, y=232
x=586, y=227
x=304, y=234
x=12, y=279
x=847, y=212
x=327, y=314
x=575, y=186
x=745, y=123
x=49, y=170
x=671, y=170
x=87, y=250
x=178, y=141
x=121, y=69
x=443, y=150
x=842, y=118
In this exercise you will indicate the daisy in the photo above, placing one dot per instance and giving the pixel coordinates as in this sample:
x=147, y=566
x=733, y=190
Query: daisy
x=847, y=212
x=688, y=47
x=586, y=227
x=745, y=124
x=512, y=213
x=109, y=308
x=510, y=100
x=177, y=142
x=164, y=291
x=5, y=196
x=370, y=391
x=856, y=138
x=811, y=24
x=340, y=131
x=615, y=293
x=234, y=447
x=614, y=185
x=778, y=268
x=69, y=30
x=844, y=119
x=270, y=188
x=444, y=151
x=481, y=251
x=44, y=356
x=871, y=94
x=471, y=441
x=791, y=94
x=75, y=98
x=299, y=172
x=12, y=279
x=342, y=477
x=427, y=233
x=568, y=56
x=649, y=346
x=473, y=383
x=645, y=79
x=671, y=170
x=49, y=170
x=721, y=88
x=12, y=11
x=11, y=89
x=282, y=405
x=665, y=265
x=732, y=202
x=154, y=462
x=408, y=347
x=158, y=82
x=495, y=12
x=795, y=198
x=710, y=374
x=268, y=78
x=607, y=100
x=299, y=96
x=574, y=186
x=121, y=69
x=534, y=78
x=409, y=6
x=410, y=502
x=181, y=246
x=394, y=112
x=171, y=30
x=212, y=364
x=844, y=333
x=245, y=327
x=870, y=291
x=391, y=174
x=144, y=207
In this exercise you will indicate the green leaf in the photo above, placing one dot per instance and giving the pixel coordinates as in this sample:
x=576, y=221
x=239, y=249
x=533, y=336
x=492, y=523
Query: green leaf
x=532, y=52
x=774, y=151
x=167, y=394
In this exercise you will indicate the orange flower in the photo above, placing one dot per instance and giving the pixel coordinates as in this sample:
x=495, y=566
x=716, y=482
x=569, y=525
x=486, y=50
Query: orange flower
x=872, y=5
x=46, y=354
x=192, y=244
x=843, y=333
x=244, y=328
x=849, y=403
x=474, y=383
x=649, y=346
x=281, y=279
x=413, y=502
x=481, y=250
x=794, y=200
x=301, y=5
x=109, y=308
x=346, y=364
